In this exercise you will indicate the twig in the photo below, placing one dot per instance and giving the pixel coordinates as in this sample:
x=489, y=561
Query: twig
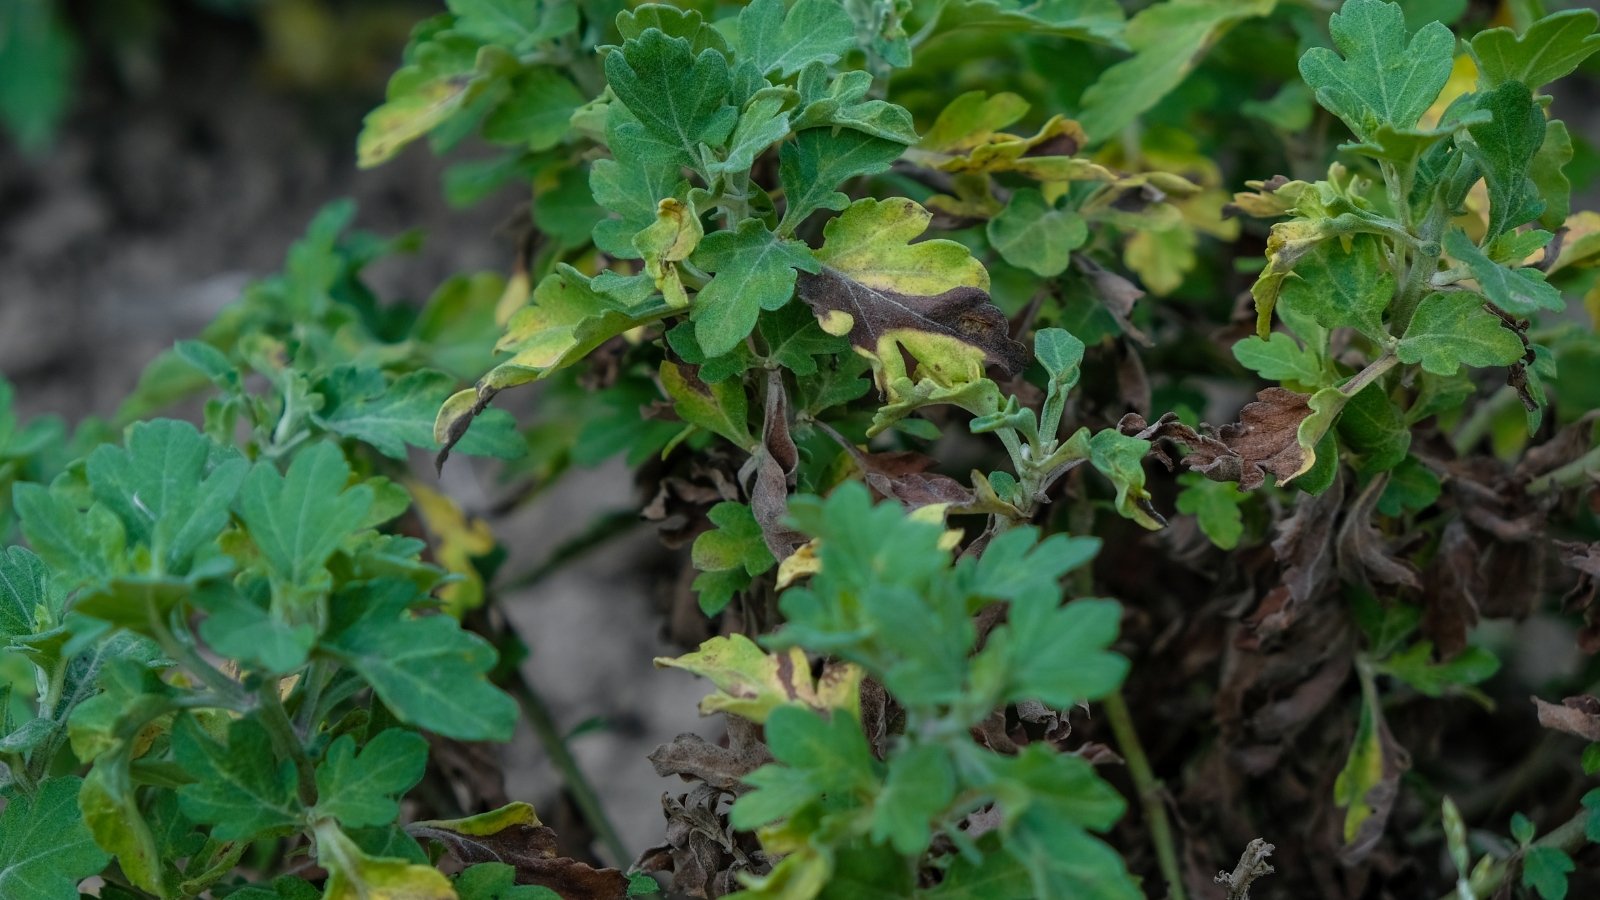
x=1150, y=791
x=1252, y=865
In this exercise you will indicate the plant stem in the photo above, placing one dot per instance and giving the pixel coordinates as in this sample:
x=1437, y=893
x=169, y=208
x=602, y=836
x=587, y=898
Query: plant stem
x=1371, y=373
x=276, y=721
x=1567, y=837
x=578, y=785
x=1150, y=790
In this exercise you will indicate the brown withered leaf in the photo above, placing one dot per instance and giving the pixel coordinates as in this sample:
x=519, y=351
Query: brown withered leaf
x=1133, y=385
x=529, y=847
x=702, y=851
x=1116, y=294
x=1364, y=556
x=1266, y=437
x=1205, y=448
x=775, y=461
x=1564, y=447
x=693, y=758
x=1305, y=545
x=1452, y=590
x=1575, y=715
x=964, y=313
x=1584, y=597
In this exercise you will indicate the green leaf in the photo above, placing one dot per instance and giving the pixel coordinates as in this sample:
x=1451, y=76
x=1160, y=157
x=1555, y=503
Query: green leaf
x=1551, y=48
x=762, y=123
x=1035, y=235
x=1545, y=869
x=1280, y=358
x=1382, y=78
x=243, y=629
x=844, y=102
x=678, y=97
x=1412, y=486
x=1120, y=458
x=1519, y=292
x=1548, y=173
x=1215, y=506
x=79, y=547
x=1504, y=149
x=813, y=165
x=24, y=589
x=816, y=756
x=427, y=670
x=721, y=408
x=45, y=848
x=1094, y=21
x=795, y=340
x=362, y=405
x=1168, y=40
x=360, y=790
x=498, y=881
x=1451, y=330
x=1059, y=654
x=170, y=487
x=241, y=788
x=298, y=520
x=517, y=24
x=755, y=270
x=1372, y=427
x=1415, y=666
x=729, y=555
x=1343, y=289
x=811, y=31
x=536, y=111
x=921, y=783
x=1047, y=800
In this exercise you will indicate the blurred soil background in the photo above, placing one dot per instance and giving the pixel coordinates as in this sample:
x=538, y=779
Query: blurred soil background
x=200, y=139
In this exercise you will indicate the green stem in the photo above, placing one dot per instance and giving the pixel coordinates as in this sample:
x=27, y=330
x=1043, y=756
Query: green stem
x=182, y=652
x=276, y=721
x=1150, y=791
x=578, y=785
x=1371, y=373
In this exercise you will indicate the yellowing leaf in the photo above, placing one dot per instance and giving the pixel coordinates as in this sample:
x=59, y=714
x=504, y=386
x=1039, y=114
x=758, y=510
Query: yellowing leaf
x=492, y=822
x=881, y=290
x=457, y=539
x=353, y=875
x=752, y=683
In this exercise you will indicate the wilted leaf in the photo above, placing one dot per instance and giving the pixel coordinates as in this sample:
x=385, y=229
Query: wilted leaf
x=1576, y=715
x=752, y=683
x=876, y=287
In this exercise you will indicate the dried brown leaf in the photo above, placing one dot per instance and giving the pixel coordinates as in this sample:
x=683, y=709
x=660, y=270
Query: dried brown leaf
x=1364, y=556
x=1578, y=715
x=1266, y=437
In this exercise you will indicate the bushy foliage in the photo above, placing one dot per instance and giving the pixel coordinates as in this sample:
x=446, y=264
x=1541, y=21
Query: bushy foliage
x=788, y=266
